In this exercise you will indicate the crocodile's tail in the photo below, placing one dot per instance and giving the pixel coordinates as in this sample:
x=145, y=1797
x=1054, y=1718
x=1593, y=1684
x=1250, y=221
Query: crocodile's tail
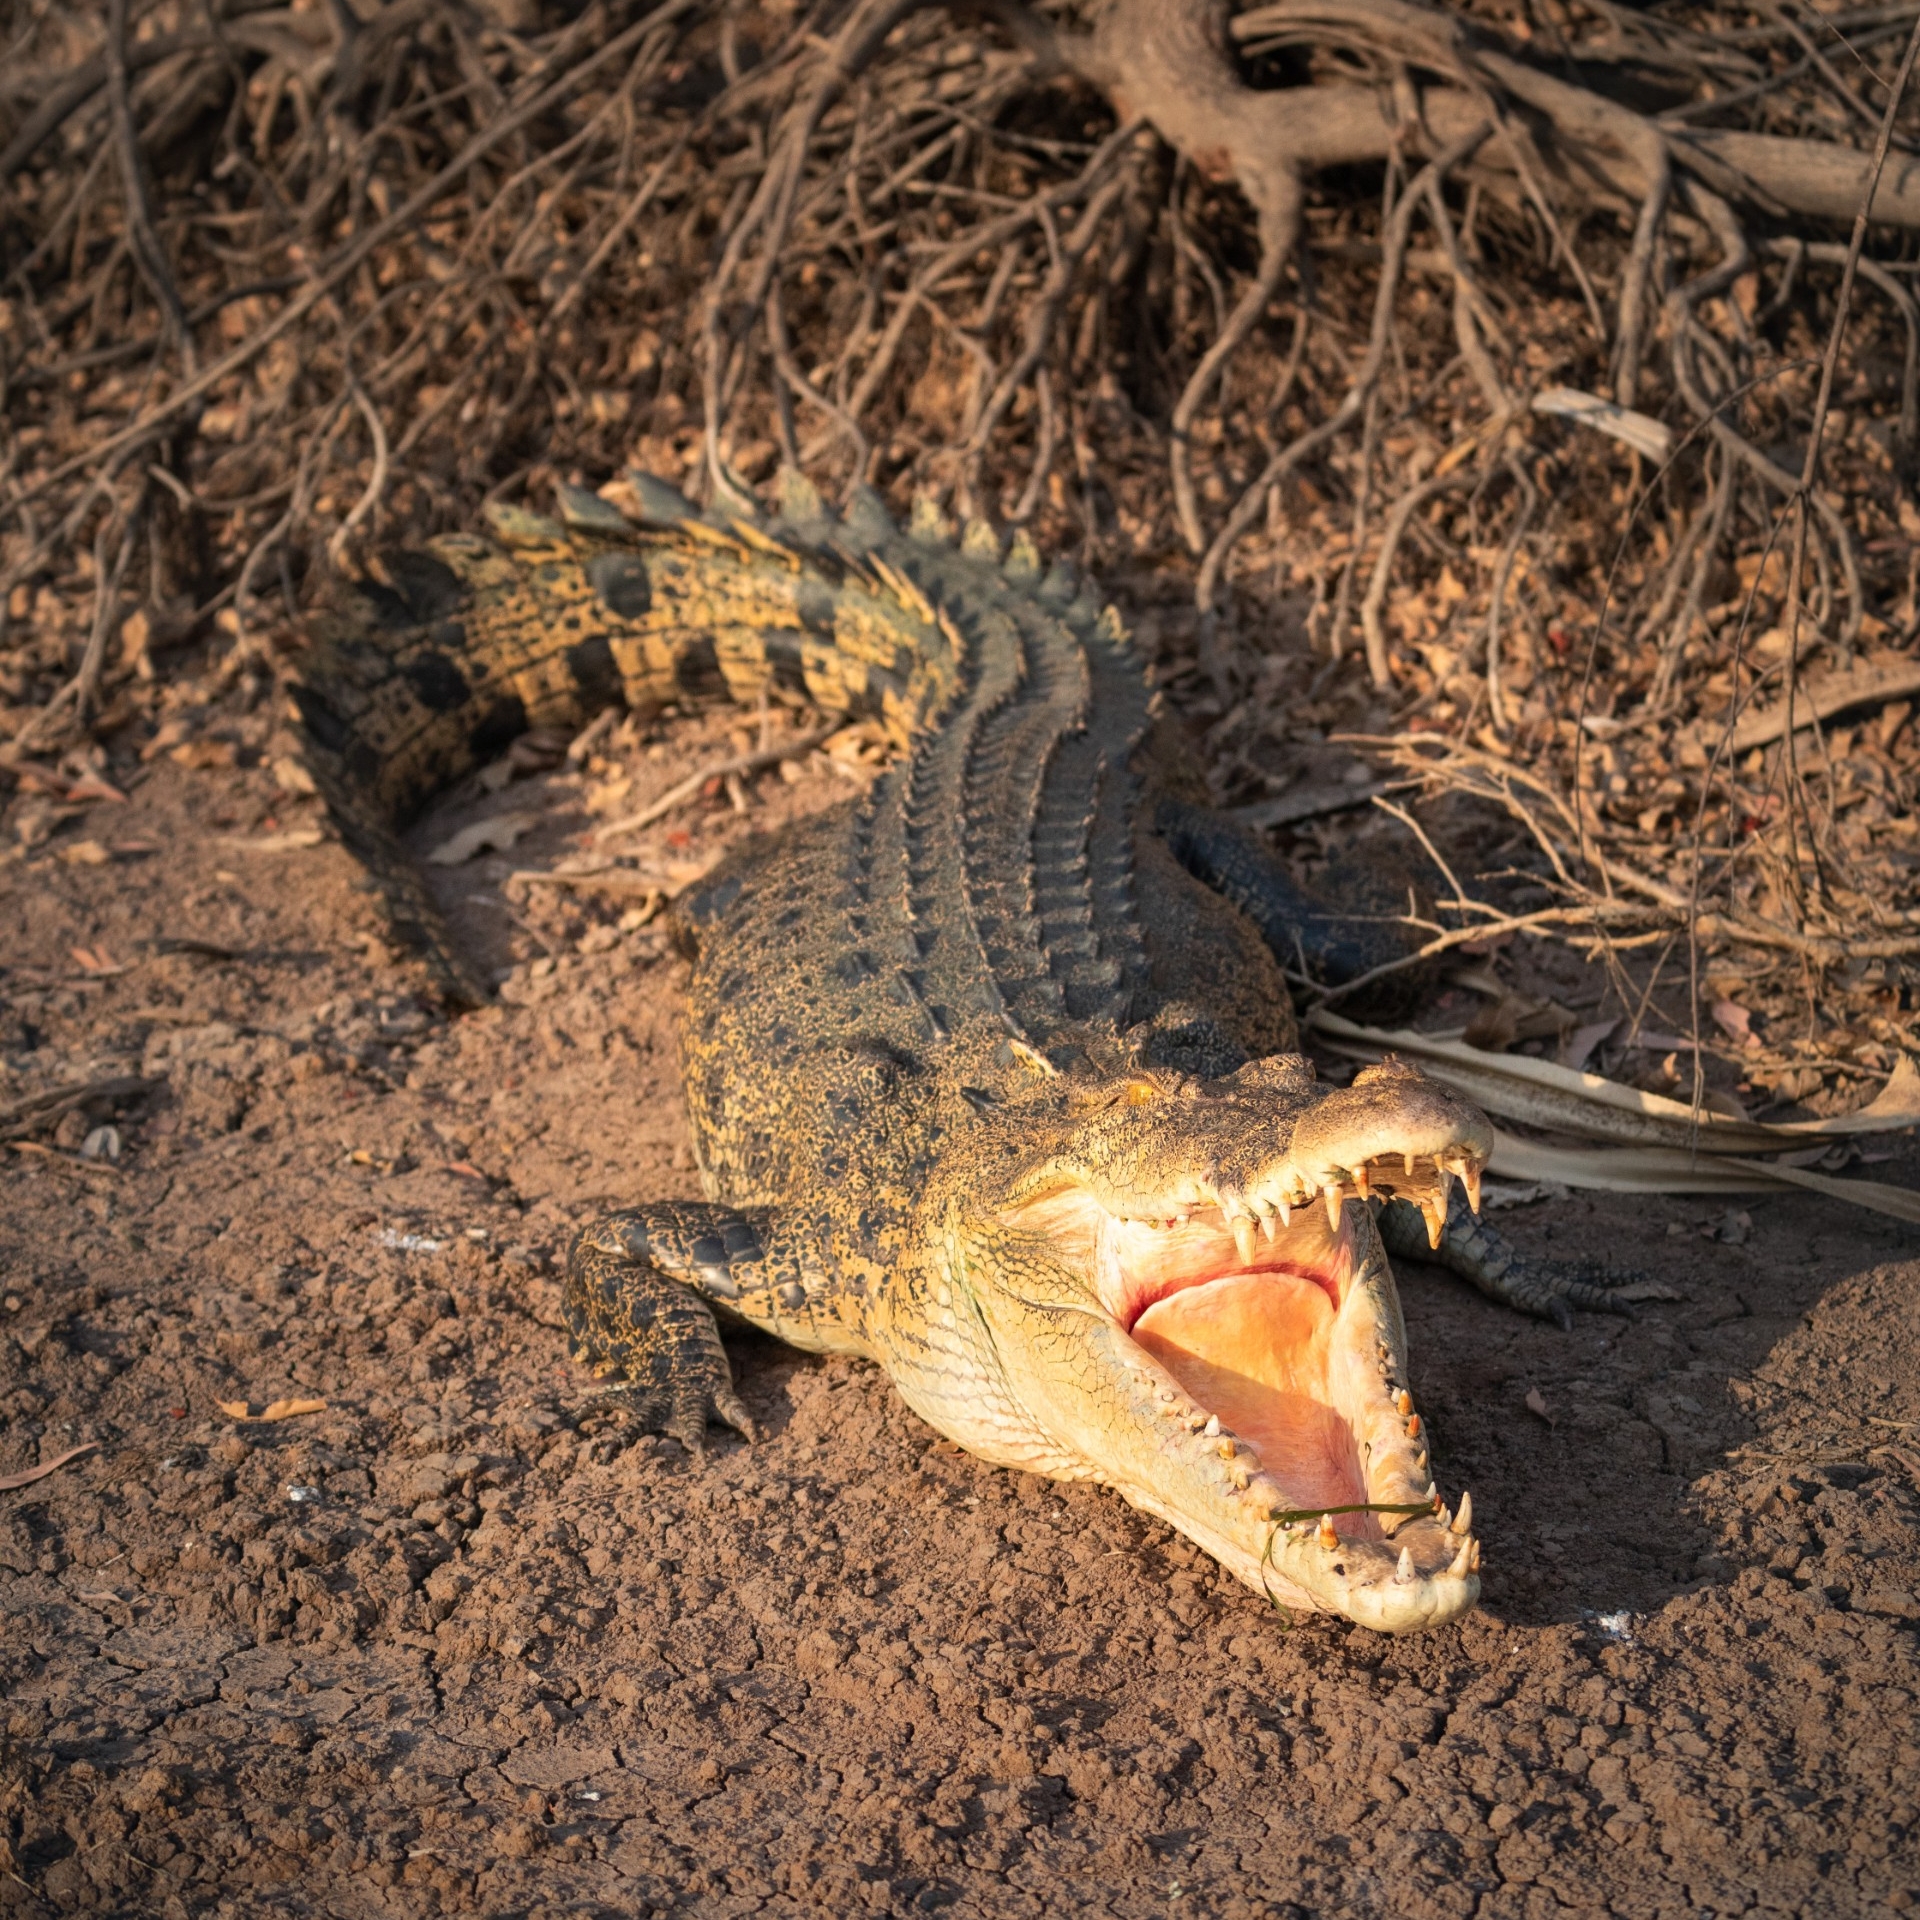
x=434, y=666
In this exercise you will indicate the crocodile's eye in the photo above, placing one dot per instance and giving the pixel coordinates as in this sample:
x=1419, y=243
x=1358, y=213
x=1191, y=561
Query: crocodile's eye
x=1141, y=1093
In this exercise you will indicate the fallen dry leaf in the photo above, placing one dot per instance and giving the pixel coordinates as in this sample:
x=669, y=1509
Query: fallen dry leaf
x=273, y=1410
x=1537, y=1404
x=288, y=842
x=90, y=786
x=287, y=1409
x=97, y=961
x=1495, y=1028
x=84, y=853
x=495, y=835
x=290, y=776
x=9, y=1481
x=683, y=873
x=1735, y=1022
x=605, y=795
x=1518, y=1016
x=205, y=756
x=1577, y=1048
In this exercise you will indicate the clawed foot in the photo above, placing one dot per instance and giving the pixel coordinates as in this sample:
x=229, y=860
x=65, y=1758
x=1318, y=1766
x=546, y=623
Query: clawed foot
x=681, y=1413
x=1548, y=1289
x=649, y=1336
x=1551, y=1289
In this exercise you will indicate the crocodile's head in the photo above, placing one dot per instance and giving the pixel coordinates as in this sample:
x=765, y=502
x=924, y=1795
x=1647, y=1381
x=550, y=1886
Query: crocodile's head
x=1190, y=1296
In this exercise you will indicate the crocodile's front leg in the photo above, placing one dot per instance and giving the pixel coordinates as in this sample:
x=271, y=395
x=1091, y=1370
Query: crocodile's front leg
x=1332, y=940
x=1548, y=1289
x=638, y=1287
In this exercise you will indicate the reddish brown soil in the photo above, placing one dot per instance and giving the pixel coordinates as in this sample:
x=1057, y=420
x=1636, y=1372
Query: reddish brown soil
x=507, y=1658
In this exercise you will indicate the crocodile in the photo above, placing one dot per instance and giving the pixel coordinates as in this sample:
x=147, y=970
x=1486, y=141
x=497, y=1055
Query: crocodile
x=993, y=1071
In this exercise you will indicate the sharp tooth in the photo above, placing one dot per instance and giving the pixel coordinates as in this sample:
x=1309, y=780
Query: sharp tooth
x=1285, y=1209
x=1330, y=1193
x=1212, y=1428
x=1463, y=1560
x=1328, y=1538
x=1268, y=1225
x=1435, y=1214
x=1403, y=1403
x=1363, y=1179
x=1407, y=1160
x=1470, y=1176
x=1443, y=1187
x=1473, y=1556
x=1245, y=1238
x=1440, y=1513
x=1226, y=1448
x=1463, y=1521
x=1404, y=1572
x=1413, y=1426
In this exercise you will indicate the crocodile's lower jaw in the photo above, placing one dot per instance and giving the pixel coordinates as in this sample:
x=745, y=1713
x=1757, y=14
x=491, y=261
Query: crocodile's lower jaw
x=1296, y=1355
x=1289, y=1365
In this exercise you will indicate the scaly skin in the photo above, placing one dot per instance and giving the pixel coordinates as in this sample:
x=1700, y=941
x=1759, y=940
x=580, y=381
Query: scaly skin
x=984, y=1084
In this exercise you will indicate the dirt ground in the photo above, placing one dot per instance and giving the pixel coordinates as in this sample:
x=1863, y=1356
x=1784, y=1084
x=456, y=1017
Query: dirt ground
x=461, y=1643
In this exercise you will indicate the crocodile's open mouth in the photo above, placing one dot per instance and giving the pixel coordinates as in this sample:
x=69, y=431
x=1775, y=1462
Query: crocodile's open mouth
x=1260, y=1316
x=1252, y=1367
x=1256, y=1344
x=1272, y=1368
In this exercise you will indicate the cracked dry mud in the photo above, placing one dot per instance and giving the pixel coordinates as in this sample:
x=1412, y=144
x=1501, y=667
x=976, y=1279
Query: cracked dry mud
x=502, y=1656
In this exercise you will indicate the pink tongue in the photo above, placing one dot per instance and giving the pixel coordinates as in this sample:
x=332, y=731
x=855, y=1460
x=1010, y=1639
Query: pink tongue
x=1253, y=1349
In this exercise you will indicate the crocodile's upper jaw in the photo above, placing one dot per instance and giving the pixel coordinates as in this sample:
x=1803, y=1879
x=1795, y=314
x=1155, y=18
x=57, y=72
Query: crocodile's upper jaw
x=1242, y=1372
